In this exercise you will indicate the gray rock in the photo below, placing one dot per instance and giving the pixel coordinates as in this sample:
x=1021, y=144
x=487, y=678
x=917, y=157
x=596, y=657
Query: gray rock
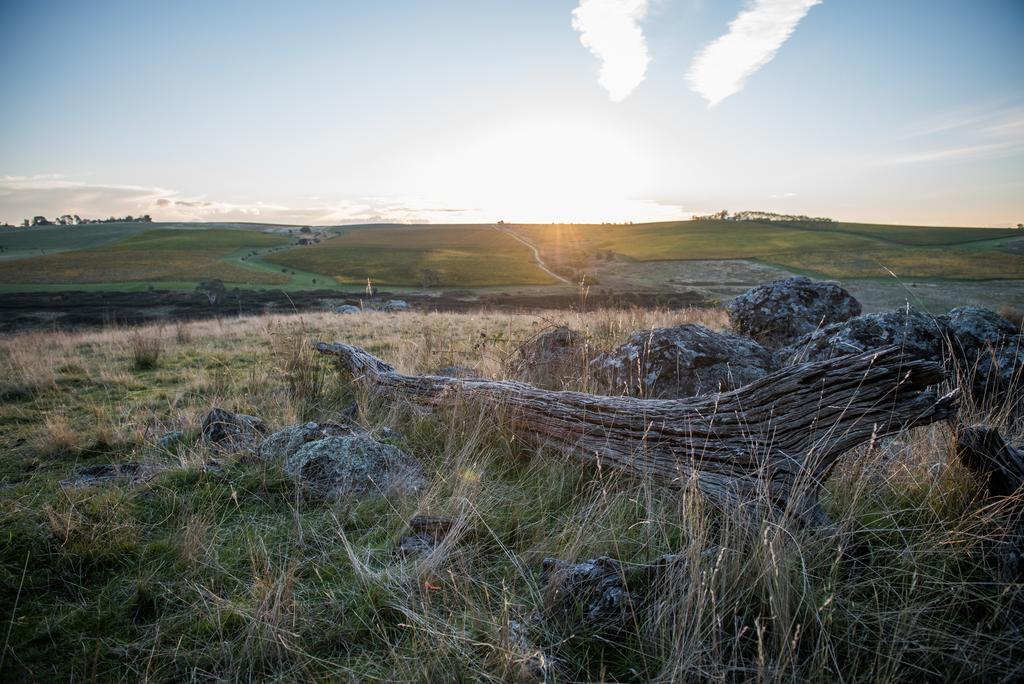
x=110, y=473
x=232, y=432
x=602, y=595
x=778, y=313
x=355, y=466
x=682, y=361
x=395, y=305
x=281, y=445
x=549, y=355
x=347, y=309
x=169, y=439
x=427, y=532
x=975, y=329
x=988, y=355
x=919, y=334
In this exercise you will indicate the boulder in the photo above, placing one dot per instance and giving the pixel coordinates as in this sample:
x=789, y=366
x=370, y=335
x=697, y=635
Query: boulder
x=974, y=329
x=232, y=432
x=281, y=445
x=683, y=361
x=395, y=305
x=919, y=334
x=544, y=358
x=988, y=353
x=355, y=467
x=778, y=313
x=347, y=309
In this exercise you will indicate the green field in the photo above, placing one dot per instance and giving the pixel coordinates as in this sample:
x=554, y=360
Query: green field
x=837, y=250
x=151, y=256
x=462, y=256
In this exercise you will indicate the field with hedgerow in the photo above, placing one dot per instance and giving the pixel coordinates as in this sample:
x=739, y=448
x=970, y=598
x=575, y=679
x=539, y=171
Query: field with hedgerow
x=183, y=562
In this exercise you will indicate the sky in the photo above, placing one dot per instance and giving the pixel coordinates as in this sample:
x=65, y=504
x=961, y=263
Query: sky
x=450, y=111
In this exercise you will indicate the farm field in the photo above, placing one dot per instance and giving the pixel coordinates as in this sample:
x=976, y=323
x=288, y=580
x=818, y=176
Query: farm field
x=461, y=256
x=839, y=250
x=157, y=254
x=176, y=256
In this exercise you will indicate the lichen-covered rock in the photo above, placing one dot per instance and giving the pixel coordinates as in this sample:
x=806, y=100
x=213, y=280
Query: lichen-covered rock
x=278, y=447
x=975, y=329
x=232, y=432
x=549, y=355
x=919, y=334
x=683, y=361
x=778, y=313
x=355, y=466
x=988, y=355
x=347, y=309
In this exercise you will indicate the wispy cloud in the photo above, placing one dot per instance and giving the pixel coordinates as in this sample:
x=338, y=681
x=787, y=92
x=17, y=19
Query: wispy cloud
x=755, y=35
x=962, y=135
x=611, y=30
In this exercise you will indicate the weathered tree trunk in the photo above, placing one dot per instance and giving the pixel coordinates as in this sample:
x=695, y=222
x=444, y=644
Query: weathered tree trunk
x=986, y=454
x=778, y=437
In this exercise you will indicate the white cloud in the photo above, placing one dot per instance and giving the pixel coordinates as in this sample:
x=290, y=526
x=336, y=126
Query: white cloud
x=611, y=30
x=754, y=36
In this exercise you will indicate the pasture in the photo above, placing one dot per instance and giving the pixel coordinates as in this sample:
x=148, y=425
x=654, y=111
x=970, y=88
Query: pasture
x=835, y=250
x=461, y=256
x=153, y=255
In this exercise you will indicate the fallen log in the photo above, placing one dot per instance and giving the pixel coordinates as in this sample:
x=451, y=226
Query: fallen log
x=776, y=439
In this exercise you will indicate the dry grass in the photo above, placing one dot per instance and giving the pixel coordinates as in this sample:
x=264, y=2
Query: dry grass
x=234, y=574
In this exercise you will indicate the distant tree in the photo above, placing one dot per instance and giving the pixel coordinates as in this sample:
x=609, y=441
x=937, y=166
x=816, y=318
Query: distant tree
x=305, y=229
x=25, y=223
x=1020, y=226
x=40, y=221
x=78, y=219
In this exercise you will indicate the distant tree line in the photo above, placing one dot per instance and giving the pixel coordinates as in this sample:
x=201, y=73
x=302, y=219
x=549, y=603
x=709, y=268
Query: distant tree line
x=76, y=220
x=724, y=215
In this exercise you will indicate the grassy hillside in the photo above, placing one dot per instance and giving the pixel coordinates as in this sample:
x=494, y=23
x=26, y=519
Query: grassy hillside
x=480, y=256
x=839, y=250
x=222, y=568
x=462, y=256
x=152, y=255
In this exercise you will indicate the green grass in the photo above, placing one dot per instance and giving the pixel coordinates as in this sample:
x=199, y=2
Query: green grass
x=462, y=256
x=150, y=256
x=840, y=250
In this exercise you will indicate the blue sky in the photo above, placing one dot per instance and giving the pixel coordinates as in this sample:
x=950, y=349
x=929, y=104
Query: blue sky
x=333, y=112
